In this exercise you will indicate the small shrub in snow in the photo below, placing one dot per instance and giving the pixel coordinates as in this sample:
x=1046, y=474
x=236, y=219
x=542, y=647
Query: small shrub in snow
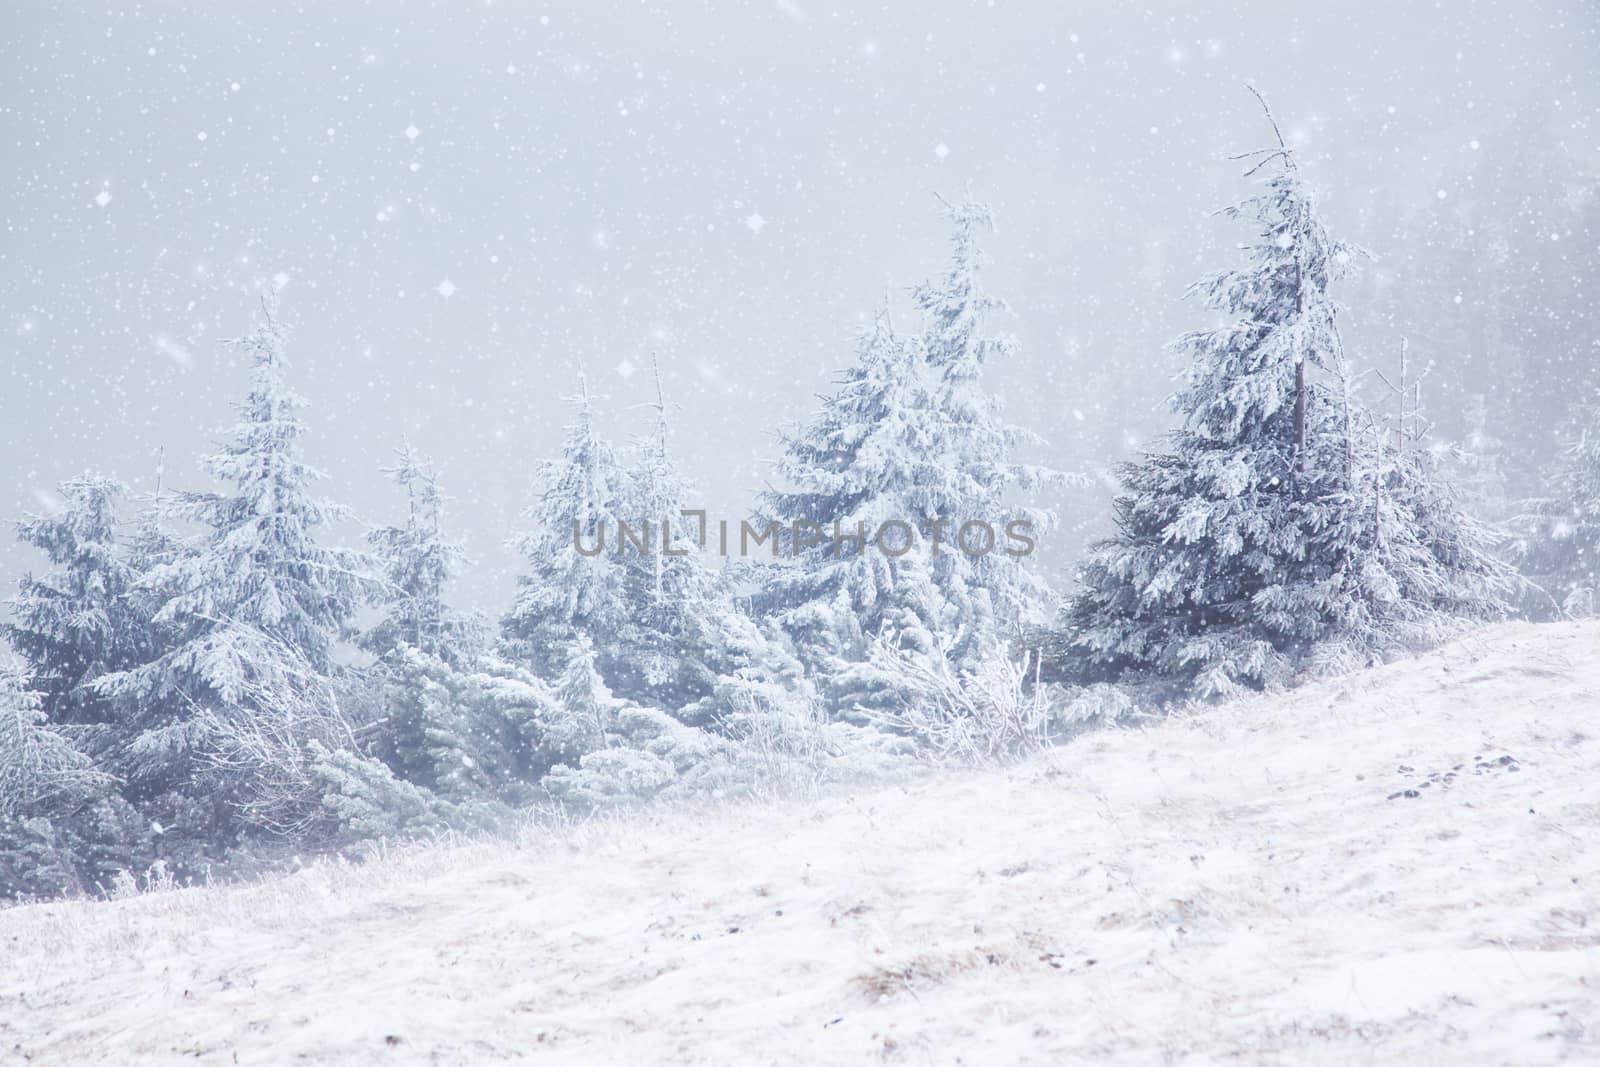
x=649, y=754
x=1100, y=704
x=978, y=714
x=363, y=799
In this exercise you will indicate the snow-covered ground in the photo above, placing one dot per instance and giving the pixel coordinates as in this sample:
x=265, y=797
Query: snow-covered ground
x=1398, y=867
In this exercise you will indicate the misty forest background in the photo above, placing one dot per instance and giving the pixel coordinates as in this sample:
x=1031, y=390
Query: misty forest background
x=1374, y=427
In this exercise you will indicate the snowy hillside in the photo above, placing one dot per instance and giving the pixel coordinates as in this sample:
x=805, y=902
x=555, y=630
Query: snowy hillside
x=1395, y=867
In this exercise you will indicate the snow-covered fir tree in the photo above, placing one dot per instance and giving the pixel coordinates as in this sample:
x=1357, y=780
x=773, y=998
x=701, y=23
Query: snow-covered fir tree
x=451, y=730
x=575, y=579
x=1414, y=566
x=861, y=462
x=913, y=440
x=599, y=569
x=416, y=562
x=668, y=583
x=1251, y=545
x=256, y=603
x=38, y=763
x=971, y=447
x=432, y=733
x=1556, y=540
x=1476, y=466
x=62, y=826
x=588, y=708
x=79, y=620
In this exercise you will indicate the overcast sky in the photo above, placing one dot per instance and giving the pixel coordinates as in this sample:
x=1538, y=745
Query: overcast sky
x=468, y=204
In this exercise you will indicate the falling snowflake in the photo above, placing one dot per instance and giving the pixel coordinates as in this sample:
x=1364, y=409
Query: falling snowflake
x=941, y=150
x=626, y=368
x=279, y=280
x=446, y=289
x=174, y=351
x=755, y=222
x=412, y=133
x=103, y=198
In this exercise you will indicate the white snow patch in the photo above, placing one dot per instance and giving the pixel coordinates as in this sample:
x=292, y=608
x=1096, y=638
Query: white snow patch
x=1244, y=884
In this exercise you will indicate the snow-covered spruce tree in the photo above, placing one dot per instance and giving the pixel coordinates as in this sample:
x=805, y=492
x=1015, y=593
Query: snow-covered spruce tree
x=911, y=439
x=447, y=728
x=1556, y=540
x=1412, y=568
x=668, y=585
x=79, y=620
x=588, y=710
x=1476, y=466
x=62, y=827
x=690, y=677
x=1245, y=548
x=647, y=612
x=575, y=580
x=861, y=462
x=433, y=732
x=971, y=448
x=416, y=562
x=611, y=752
x=253, y=605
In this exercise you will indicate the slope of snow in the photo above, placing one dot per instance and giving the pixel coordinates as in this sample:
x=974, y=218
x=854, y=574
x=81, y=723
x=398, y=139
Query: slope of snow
x=1251, y=883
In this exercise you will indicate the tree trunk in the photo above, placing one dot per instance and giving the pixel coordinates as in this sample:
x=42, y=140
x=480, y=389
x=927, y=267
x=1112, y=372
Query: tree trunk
x=1299, y=413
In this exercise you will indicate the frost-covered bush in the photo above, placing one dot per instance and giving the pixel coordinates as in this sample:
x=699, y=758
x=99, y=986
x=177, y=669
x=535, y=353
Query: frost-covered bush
x=986, y=711
x=259, y=750
x=649, y=754
x=1100, y=704
x=765, y=739
x=784, y=742
x=363, y=800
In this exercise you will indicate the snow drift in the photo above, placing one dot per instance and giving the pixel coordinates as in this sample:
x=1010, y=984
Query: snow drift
x=1398, y=866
